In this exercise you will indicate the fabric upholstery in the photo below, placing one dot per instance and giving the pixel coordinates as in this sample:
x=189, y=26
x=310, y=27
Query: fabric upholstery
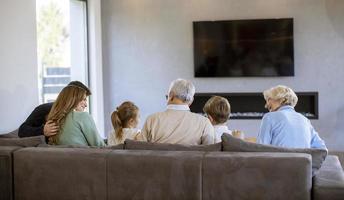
x=23, y=142
x=138, y=145
x=340, y=155
x=95, y=173
x=6, y=175
x=328, y=184
x=12, y=134
x=60, y=173
x=233, y=144
x=64, y=146
x=119, y=146
x=154, y=175
x=256, y=176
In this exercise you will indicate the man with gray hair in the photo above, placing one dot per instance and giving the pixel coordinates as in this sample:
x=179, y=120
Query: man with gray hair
x=177, y=125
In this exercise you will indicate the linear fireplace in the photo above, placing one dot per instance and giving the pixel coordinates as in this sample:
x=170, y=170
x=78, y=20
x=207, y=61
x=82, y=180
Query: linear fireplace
x=251, y=105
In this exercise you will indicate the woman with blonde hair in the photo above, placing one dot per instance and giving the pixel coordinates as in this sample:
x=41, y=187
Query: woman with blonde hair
x=125, y=120
x=283, y=126
x=76, y=127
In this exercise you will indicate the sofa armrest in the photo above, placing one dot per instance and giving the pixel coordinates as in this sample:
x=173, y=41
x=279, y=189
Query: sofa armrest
x=6, y=174
x=328, y=183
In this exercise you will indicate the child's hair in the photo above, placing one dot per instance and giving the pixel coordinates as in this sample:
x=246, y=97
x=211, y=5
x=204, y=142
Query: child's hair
x=121, y=116
x=218, y=108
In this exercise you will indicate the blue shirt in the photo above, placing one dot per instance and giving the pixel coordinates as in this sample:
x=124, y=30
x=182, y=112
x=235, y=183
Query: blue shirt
x=288, y=128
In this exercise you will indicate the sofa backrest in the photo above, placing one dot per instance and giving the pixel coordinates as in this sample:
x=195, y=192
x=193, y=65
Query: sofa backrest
x=257, y=176
x=134, y=174
x=328, y=183
x=60, y=173
x=69, y=173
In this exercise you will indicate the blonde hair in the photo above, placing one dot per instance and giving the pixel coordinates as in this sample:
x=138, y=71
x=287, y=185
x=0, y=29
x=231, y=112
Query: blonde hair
x=121, y=116
x=283, y=94
x=218, y=108
x=67, y=100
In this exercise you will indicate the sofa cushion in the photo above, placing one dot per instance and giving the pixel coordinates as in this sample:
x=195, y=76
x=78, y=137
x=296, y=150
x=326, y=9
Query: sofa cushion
x=233, y=144
x=139, y=145
x=23, y=142
x=328, y=183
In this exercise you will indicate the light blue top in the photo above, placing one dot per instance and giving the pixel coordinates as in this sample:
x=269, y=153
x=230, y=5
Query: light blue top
x=288, y=128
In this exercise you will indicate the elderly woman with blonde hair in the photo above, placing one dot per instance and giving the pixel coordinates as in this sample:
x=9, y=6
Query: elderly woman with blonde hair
x=283, y=126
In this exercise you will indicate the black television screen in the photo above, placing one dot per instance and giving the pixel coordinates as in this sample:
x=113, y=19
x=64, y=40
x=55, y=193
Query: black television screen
x=234, y=48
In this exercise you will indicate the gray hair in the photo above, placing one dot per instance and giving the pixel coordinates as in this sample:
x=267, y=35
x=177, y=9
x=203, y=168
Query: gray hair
x=182, y=89
x=283, y=94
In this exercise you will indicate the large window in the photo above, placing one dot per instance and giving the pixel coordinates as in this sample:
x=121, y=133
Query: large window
x=62, y=45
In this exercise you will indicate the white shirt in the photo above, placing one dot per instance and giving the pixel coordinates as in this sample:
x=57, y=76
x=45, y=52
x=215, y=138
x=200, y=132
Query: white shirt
x=128, y=133
x=219, y=130
x=178, y=107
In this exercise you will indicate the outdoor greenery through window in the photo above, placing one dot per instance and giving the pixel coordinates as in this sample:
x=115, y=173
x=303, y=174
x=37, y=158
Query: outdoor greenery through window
x=62, y=45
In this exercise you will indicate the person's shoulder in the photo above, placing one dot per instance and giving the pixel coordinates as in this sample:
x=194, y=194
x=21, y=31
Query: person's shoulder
x=156, y=115
x=287, y=113
x=132, y=131
x=198, y=117
x=270, y=115
x=45, y=106
x=303, y=118
x=278, y=115
x=81, y=118
x=80, y=115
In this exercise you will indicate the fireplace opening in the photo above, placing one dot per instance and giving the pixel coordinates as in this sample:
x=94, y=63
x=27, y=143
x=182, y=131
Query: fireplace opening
x=251, y=105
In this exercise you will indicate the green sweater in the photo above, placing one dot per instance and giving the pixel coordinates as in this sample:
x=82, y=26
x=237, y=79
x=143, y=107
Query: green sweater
x=79, y=129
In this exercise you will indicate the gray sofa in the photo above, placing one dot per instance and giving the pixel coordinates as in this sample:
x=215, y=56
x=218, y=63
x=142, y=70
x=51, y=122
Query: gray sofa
x=163, y=172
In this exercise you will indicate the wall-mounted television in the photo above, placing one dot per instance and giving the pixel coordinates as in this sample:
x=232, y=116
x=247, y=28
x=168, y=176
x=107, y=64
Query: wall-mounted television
x=244, y=48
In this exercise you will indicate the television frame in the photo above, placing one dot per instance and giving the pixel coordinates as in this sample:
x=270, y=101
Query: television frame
x=283, y=66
